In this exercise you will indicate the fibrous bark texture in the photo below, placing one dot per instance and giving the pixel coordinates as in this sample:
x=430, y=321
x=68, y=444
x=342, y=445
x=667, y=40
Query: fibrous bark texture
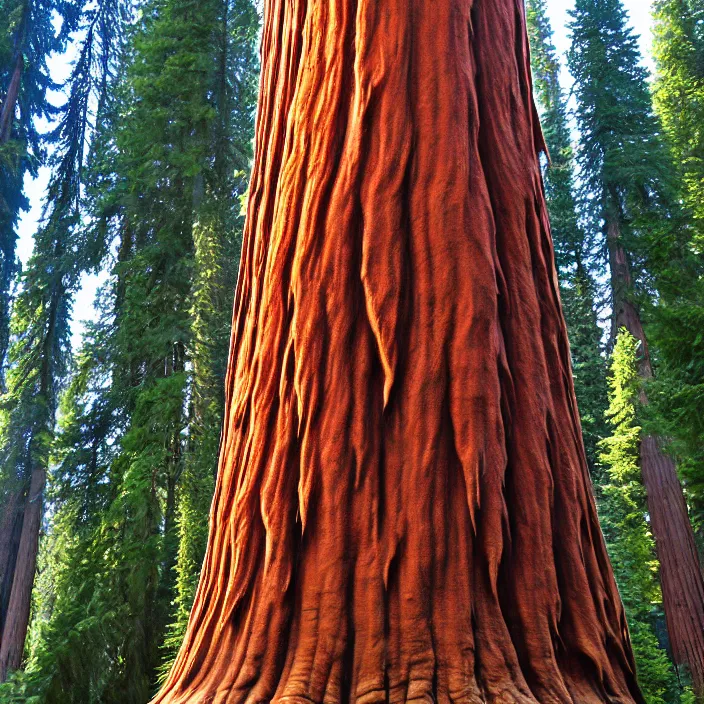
x=403, y=509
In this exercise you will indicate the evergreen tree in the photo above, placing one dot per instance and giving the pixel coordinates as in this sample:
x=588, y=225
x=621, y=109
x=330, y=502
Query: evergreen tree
x=216, y=237
x=572, y=246
x=40, y=351
x=679, y=94
x=678, y=394
x=623, y=511
x=168, y=168
x=27, y=38
x=628, y=177
x=77, y=617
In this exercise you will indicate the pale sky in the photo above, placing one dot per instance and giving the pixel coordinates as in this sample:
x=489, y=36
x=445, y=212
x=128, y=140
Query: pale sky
x=640, y=17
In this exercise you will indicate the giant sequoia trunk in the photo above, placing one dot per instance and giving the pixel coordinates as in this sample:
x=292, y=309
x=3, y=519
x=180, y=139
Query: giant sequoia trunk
x=403, y=510
x=681, y=575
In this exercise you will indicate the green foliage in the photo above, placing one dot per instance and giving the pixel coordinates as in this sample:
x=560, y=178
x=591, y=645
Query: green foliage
x=570, y=239
x=588, y=362
x=626, y=177
x=623, y=162
x=623, y=512
x=679, y=94
x=632, y=189
x=678, y=318
x=27, y=38
x=40, y=350
x=140, y=420
x=76, y=613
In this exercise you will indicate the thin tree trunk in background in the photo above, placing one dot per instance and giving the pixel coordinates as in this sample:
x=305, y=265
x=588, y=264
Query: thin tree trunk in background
x=7, y=113
x=680, y=572
x=173, y=472
x=681, y=575
x=12, y=519
x=403, y=508
x=16, y=623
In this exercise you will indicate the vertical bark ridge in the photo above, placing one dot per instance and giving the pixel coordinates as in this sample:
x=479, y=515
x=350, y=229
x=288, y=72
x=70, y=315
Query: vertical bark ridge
x=403, y=510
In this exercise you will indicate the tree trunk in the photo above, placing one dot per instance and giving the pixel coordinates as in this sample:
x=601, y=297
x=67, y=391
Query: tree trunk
x=7, y=113
x=16, y=623
x=681, y=577
x=12, y=512
x=403, y=509
x=680, y=573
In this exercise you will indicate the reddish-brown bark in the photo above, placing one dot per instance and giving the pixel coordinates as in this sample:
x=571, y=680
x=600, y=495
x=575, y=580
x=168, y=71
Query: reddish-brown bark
x=403, y=509
x=14, y=629
x=681, y=575
x=7, y=112
x=11, y=516
x=9, y=102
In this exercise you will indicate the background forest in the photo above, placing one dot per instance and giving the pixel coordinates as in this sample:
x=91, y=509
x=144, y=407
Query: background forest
x=108, y=440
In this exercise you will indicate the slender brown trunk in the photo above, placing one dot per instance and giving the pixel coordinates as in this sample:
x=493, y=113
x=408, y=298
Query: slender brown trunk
x=625, y=313
x=403, y=507
x=7, y=113
x=681, y=575
x=16, y=623
x=19, y=606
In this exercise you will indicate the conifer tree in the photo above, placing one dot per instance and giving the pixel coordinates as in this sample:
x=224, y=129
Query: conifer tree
x=571, y=243
x=40, y=350
x=27, y=38
x=679, y=93
x=176, y=284
x=168, y=169
x=78, y=619
x=626, y=172
x=217, y=239
x=678, y=394
x=623, y=510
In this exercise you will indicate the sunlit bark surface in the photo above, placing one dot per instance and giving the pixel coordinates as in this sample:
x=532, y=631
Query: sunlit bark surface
x=403, y=510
